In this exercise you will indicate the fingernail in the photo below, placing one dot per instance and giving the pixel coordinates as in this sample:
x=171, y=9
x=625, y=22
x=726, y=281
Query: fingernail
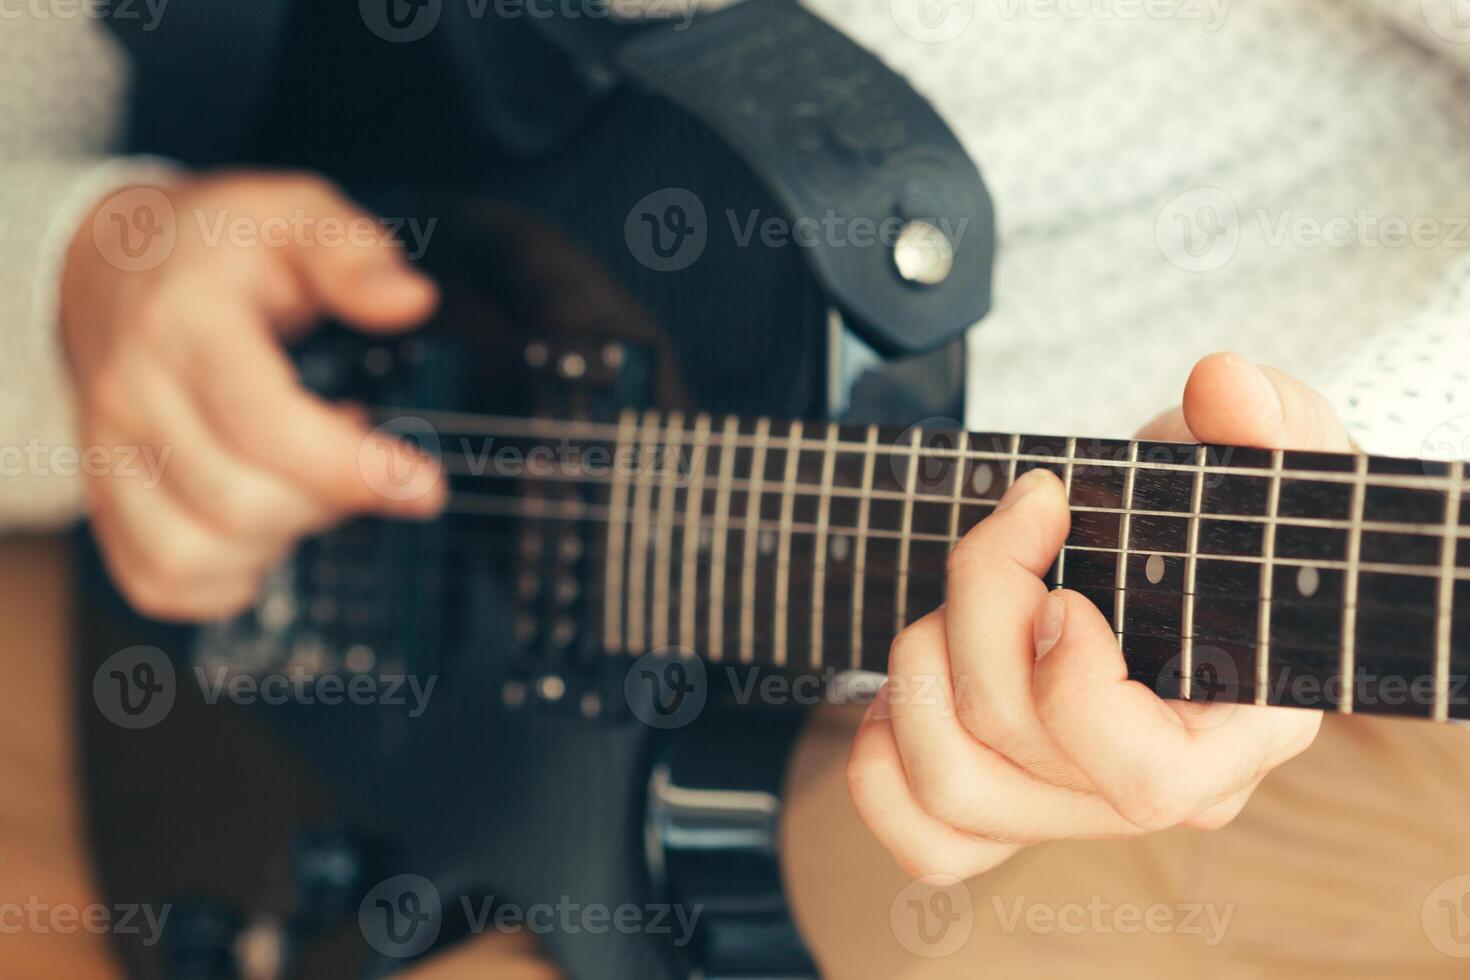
x=1023, y=485
x=1051, y=617
x=882, y=708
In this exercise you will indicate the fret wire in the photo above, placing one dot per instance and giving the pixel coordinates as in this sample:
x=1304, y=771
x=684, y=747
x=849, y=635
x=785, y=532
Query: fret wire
x=752, y=538
x=1070, y=452
x=1268, y=567
x=819, y=547
x=1014, y=457
x=783, y=546
x=957, y=499
x=638, y=538
x=860, y=546
x=693, y=509
x=1120, y=576
x=502, y=506
x=509, y=426
x=719, y=540
x=1350, y=587
x=612, y=614
x=1186, y=652
x=663, y=541
x=1434, y=530
x=901, y=597
x=1443, y=621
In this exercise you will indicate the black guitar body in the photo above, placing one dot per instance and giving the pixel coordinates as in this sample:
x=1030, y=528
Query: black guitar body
x=417, y=734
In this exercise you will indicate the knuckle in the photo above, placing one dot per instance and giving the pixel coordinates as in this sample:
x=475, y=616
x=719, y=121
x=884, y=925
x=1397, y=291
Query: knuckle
x=152, y=598
x=943, y=799
x=865, y=777
x=173, y=566
x=966, y=552
x=1213, y=819
x=110, y=394
x=243, y=507
x=156, y=315
x=1153, y=803
x=908, y=648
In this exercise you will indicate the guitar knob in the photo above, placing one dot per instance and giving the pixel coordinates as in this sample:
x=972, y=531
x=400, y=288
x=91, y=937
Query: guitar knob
x=328, y=866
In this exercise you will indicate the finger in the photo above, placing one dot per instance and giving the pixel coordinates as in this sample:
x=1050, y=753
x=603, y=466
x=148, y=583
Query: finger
x=254, y=403
x=1230, y=401
x=994, y=585
x=1154, y=769
x=221, y=489
x=165, y=562
x=1167, y=427
x=363, y=278
x=961, y=782
x=921, y=844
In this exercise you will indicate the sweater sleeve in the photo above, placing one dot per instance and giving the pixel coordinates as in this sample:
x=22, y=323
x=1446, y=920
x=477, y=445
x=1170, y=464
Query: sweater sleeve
x=1407, y=391
x=1441, y=26
x=42, y=202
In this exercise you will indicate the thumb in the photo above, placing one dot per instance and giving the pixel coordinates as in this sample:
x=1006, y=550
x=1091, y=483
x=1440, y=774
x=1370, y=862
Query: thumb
x=1232, y=401
x=363, y=276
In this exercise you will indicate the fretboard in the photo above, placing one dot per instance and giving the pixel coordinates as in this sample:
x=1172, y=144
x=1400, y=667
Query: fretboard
x=1324, y=580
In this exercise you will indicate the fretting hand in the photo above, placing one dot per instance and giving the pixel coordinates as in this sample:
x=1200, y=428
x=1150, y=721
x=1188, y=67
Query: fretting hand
x=1008, y=718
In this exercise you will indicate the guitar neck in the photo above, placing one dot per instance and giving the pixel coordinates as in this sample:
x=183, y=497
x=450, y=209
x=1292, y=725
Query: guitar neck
x=1320, y=580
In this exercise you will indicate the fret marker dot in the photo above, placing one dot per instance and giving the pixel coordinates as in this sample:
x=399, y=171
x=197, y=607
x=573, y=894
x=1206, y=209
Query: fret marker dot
x=841, y=547
x=982, y=479
x=1307, y=580
x=767, y=543
x=1154, y=569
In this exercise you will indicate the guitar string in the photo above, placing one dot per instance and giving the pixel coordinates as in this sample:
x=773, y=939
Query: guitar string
x=495, y=426
x=1436, y=530
x=491, y=505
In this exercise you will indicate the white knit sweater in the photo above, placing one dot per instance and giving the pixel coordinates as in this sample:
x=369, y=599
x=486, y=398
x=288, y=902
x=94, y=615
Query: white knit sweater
x=1285, y=178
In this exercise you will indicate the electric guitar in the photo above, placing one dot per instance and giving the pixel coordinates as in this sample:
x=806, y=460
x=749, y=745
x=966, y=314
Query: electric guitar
x=690, y=467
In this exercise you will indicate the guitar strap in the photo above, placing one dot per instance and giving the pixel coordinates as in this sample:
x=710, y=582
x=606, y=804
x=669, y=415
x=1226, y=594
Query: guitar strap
x=444, y=91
